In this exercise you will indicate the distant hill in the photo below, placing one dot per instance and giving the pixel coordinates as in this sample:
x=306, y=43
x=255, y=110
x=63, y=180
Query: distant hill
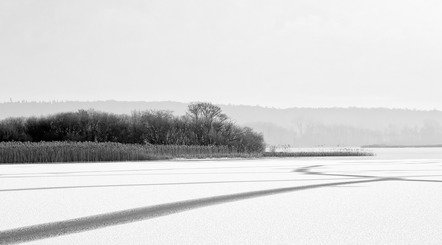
x=294, y=126
x=25, y=109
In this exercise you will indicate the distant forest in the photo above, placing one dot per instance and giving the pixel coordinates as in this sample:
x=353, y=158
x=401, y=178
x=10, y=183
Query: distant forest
x=203, y=124
x=293, y=126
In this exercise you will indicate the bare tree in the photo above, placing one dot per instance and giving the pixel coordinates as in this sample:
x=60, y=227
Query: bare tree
x=207, y=121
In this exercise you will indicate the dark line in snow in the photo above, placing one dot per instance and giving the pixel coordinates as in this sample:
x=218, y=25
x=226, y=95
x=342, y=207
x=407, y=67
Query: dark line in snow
x=41, y=231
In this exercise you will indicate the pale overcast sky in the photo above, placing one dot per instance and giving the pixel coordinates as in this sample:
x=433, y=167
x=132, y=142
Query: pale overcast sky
x=281, y=53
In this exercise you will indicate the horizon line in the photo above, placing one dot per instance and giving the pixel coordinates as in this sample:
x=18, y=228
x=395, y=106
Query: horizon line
x=221, y=104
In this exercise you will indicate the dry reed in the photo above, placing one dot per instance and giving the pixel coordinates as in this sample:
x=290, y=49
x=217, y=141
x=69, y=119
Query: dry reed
x=47, y=152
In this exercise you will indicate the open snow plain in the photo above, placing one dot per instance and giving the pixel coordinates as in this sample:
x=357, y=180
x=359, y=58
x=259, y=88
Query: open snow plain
x=392, y=198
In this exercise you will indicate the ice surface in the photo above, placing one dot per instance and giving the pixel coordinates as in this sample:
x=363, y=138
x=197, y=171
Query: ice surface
x=392, y=198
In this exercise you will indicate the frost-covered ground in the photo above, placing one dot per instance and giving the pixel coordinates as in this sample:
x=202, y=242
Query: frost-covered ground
x=393, y=198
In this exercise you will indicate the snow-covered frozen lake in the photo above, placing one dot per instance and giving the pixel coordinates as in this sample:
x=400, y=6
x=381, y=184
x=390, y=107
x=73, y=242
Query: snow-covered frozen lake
x=392, y=198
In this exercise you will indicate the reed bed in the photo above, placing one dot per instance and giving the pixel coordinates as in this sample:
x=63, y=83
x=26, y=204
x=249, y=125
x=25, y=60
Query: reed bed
x=51, y=152
x=316, y=152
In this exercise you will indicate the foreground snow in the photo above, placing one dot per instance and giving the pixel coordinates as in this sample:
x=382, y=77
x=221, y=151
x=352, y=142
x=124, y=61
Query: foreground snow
x=386, y=199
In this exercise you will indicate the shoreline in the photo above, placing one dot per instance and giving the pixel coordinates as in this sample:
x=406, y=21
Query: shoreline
x=400, y=146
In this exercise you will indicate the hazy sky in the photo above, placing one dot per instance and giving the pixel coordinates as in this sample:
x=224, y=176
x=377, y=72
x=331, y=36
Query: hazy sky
x=281, y=53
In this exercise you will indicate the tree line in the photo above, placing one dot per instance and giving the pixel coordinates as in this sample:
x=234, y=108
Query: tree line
x=203, y=124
